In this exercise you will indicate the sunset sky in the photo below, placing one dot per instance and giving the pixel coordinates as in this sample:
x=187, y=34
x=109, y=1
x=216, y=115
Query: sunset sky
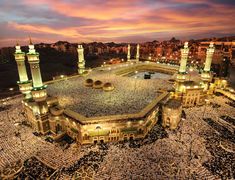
x=113, y=20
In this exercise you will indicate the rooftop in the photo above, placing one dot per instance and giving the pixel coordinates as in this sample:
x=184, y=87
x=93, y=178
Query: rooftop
x=173, y=103
x=129, y=96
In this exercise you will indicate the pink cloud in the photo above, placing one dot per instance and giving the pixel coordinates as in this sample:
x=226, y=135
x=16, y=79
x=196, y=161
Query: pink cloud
x=109, y=20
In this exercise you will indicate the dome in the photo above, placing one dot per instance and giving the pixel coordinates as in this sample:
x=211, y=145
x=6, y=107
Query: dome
x=89, y=82
x=108, y=86
x=97, y=84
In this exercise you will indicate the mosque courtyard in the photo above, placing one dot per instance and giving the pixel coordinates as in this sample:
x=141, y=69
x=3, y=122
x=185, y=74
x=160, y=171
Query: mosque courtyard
x=130, y=95
x=199, y=149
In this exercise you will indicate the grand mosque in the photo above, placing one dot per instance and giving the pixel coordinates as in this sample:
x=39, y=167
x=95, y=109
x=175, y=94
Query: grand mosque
x=113, y=102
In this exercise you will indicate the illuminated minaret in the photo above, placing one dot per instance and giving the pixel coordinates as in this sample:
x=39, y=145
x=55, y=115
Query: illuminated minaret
x=181, y=76
x=39, y=90
x=81, y=61
x=25, y=85
x=209, y=54
x=184, y=58
x=137, y=52
x=128, y=52
x=206, y=74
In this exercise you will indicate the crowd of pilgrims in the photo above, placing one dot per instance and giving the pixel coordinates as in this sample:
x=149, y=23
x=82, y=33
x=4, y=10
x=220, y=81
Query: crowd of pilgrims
x=35, y=169
x=160, y=154
x=18, y=142
x=129, y=96
x=220, y=139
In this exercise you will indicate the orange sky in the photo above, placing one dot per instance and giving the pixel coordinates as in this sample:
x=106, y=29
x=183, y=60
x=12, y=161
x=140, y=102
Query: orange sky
x=109, y=20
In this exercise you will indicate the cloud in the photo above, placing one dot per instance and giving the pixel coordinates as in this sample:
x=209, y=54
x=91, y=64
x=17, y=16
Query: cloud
x=105, y=20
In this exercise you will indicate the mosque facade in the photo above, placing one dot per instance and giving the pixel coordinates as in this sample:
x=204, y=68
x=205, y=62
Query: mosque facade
x=45, y=115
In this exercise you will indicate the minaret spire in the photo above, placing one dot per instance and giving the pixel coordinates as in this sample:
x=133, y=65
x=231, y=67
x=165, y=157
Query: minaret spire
x=128, y=52
x=206, y=74
x=38, y=107
x=181, y=76
x=39, y=90
x=30, y=41
x=184, y=58
x=209, y=55
x=137, y=52
x=81, y=60
x=25, y=85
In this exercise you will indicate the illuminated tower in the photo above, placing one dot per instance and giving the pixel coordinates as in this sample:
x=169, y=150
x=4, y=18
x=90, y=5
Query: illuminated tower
x=209, y=54
x=39, y=90
x=25, y=85
x=128, y=52
x=81, y=61
x=137, y=52
x=206, y=74
x=37, y=110
x=181, y=76
x=184, y=58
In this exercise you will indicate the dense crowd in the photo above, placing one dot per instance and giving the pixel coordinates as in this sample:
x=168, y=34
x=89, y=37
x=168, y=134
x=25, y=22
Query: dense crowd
x=34, y=169
x=157, y=132
x=193, y=151
x=92, y=159
x=18, y=142
x=201, y=148
x=219, y=136
x=11, y=169
x=231, y=103
x=224, y=132
x=129, y=96
x=228, y=119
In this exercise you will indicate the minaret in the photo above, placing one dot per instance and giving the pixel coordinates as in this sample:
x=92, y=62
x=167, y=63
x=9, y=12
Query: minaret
x=209, y=54
x=206, y=74
x=81, y=61
x=184, y=58
x=25, y=85
x=128, y=52
x=181, y=76
x=39, y=90
x=137, y=52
